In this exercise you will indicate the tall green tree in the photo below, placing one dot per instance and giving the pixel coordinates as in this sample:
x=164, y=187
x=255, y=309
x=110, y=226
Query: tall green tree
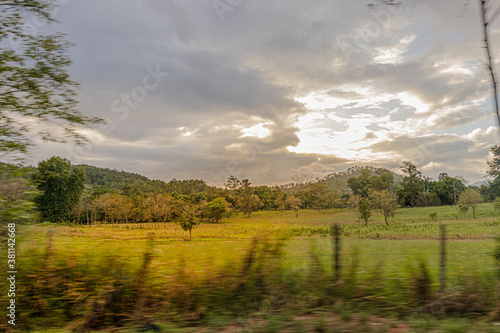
x=216, y=209
x=343, y=200
x=361, y=185
x=279, y=199
x=318, y=194
x=448, y=189
x=412, y=181
x=34, y=79
x=382, y=180
x=266, y=196
x=61, y=186
x=246, y=200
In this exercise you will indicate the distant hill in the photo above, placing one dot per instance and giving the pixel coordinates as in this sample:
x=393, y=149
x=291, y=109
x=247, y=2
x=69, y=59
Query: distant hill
x=96, y=176
x=132, y=183
x=482, y=182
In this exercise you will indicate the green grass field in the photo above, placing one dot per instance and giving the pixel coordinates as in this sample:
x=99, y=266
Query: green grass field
x=410, y=235
x=380, y=261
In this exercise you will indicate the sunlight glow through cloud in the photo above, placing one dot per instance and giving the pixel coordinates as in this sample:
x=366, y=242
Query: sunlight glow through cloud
x=258, y=131
x=354, y=141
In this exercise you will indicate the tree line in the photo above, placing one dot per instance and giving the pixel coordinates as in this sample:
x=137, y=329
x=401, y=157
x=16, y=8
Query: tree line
x=87, y=194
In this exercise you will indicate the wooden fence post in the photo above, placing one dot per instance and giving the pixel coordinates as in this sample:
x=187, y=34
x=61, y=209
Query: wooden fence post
x=336, y=253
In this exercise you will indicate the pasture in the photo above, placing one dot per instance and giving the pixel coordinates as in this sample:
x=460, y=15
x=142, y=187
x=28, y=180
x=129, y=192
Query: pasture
x=380, y=264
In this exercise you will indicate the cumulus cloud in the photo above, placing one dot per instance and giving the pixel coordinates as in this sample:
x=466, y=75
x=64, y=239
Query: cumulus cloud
x=433, y=166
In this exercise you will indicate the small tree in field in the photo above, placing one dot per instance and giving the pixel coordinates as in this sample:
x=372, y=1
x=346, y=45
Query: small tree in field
x=470, y=199
x=364, y=210
x=216, y=209
x=385, y=202
x=186, y=216
x=295, y=204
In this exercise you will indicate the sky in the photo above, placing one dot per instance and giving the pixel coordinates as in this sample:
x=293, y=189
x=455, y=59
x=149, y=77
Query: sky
x=268, y=90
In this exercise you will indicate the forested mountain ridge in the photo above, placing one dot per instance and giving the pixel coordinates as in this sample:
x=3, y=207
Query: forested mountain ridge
x=128, y=182
x=97, y=176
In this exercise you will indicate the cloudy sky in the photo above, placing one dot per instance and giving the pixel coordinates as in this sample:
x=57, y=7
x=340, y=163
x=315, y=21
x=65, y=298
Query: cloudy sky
x=267, y=89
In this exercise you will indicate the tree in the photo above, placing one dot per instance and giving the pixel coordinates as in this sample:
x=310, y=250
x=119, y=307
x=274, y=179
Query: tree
x=61, y=186
x=364, y=210
x=161, y=207
x=412, y=181
x=496, y=205
x=382, y=180
x=85, y=206
x=141, y=211
x=232, y=184
x=494, y=164
x=265, y=195
x=486, y=22
x=361, y=185
x=104, y=204
x=343, y=200
x=115, y=207
x=470, y=199
x=246, y=200
x=185, y=216
x=279, y=199
x=216, y=209
x=318, y=195
x=448, y=189
x=125, y=207
x=34, y=79
x=300, y=179
x=426, y=180
x=295, y=204
x=491, y=190
x=385, y=202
